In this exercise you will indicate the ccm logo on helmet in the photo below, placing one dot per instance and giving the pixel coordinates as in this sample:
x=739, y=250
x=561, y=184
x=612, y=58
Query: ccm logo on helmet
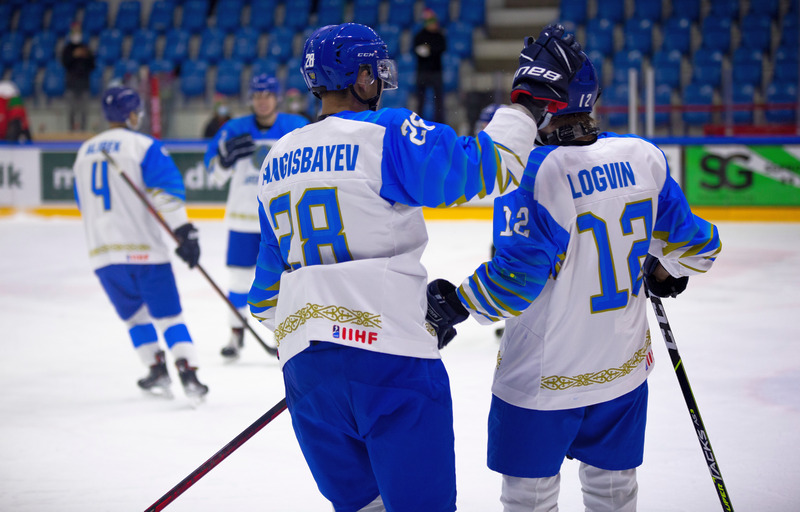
x=547, y=74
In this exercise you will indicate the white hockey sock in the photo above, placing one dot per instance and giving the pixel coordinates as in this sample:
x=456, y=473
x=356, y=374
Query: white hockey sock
x=147, y=353
x=608, y=491
x=185, y=350
x=375, y=505
x=530, y=494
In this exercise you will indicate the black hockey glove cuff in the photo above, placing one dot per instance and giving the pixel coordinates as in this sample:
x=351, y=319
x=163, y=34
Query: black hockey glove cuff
x=188, y=247
x=669, y=287
x=444, y=310
x=231, y=150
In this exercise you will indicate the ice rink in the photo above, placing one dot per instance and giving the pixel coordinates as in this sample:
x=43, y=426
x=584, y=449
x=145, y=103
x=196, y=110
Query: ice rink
x=76, y=434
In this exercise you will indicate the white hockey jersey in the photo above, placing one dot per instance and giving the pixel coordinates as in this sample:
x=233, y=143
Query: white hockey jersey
x=343, y=231
x=567, y=272
x=119, y=228
x=241, y=209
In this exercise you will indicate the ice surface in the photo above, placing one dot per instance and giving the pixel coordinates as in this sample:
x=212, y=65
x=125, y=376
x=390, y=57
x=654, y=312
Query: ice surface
x=76, y=434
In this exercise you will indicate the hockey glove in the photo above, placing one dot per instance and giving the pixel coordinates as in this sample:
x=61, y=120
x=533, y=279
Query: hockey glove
x=188, y=247
x=665, y=287
x=546, y=67
x=444, y=310
x=231, y=150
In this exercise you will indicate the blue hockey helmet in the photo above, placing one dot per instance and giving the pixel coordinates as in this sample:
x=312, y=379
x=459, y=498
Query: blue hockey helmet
x=264, y=83
x=485, y=116
x=334, y=54
x=119, y=102
x=583, y=90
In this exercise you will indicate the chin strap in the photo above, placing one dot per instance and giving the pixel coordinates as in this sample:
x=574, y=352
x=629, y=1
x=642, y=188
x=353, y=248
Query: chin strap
x=567, y=133
x=372, y=102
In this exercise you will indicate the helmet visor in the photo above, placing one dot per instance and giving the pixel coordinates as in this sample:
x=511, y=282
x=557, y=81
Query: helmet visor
x=387, y=72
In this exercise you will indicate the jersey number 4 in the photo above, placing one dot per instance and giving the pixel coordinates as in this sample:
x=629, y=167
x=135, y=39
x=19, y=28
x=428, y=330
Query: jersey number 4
x=317, y=220
x=100, y=183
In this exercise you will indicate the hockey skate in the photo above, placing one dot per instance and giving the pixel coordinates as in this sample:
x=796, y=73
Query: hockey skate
x=157, y=382
x=231, y=350
x=194, y=389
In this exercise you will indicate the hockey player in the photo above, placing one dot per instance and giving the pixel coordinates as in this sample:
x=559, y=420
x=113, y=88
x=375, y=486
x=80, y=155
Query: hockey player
x=339, y=277
x=596, y=215
x=236, y=153
x=125, y=242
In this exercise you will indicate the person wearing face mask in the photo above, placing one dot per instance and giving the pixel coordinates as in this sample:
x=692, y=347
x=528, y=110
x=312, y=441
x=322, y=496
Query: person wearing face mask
x=236, y=153
x=78, y=61
x=125, y=241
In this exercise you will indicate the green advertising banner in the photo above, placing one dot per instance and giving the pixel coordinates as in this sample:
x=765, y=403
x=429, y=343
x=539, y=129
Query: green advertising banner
x=734, y=175
x=57, y=177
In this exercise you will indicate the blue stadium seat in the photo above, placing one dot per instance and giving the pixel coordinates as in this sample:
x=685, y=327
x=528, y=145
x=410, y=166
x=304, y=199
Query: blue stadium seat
x=176, y=46
x=663, y=100
x=647, y=10
x=229, y=15
x=261, y=66
x=143, y=47
x=280, y=43
x=366, y=12
x=614, y=10
x=31, y=18
x=781, y=93
x=294, y=76
x=639, y=35
x=161, y=66
x=11, y=44
x=472, y=12
x=716, y=33
x=625, y=60
x=600, y=35
x=441, y=8
x=747, y=64
x=212, y=45
x=124, y=68
x=451, y=71
x=229, y=78
x=707, y=67
x=406, y=71
x=697, y=95
x=193, y=78
x=756, y=32
x=616, y=98
x=576, y=11
x=194, y=16
x=330, y=12
x=262, y=14
x=785, y=67
x=297, y=14
x=727, y=9
x=390, y=34
x=54, y=80
x=743, y=95
x=109, y=47
x=161, y=16
x=677, y=34
x=245, y=45
x=129, y=15
x=95, y=18
x=23, y=74
x=5, y=17
x=598, y=60
x=768, y=7
x=96, y=84
x=396, y=98
x=401, y=13
x=459, y=39
x=686, y=9
x=61, y=18
x=42, y=48
x=667, y=68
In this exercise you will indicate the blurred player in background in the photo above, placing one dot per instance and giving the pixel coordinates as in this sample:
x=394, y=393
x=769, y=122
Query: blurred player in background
x=596, y=216
x=339, y=277
x=126, y=247
x=236, y=153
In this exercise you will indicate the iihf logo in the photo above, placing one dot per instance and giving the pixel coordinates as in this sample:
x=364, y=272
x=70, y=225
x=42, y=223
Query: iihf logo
x=336, y=331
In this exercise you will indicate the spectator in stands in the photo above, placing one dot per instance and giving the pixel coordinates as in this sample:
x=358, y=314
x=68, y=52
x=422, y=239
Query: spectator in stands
x=78, y=61
x=429, y=45
x=13, y=118
x=222, y=115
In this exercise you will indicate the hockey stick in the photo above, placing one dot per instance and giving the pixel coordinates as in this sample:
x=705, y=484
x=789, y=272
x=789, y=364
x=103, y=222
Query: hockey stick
x=694, y=412
x=270, y=350
x=218, y=457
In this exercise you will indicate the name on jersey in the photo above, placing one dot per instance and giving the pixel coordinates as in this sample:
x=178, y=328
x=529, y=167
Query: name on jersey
x=600, y=178
x=337, y=157
x=110, y=146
